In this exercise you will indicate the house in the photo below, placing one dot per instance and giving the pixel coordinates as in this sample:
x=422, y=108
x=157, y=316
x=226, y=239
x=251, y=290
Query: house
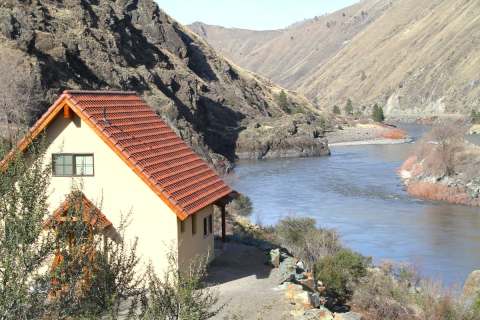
x=125, y=158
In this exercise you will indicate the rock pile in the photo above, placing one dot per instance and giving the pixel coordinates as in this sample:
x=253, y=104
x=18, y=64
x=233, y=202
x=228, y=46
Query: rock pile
x=301, y=290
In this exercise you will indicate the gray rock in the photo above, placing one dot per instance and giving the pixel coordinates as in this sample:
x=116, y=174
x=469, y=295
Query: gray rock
x=315, y=300
x=348, y=316
x=275, y=258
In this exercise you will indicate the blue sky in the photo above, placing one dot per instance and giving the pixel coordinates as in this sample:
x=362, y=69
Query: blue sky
x=249, y=14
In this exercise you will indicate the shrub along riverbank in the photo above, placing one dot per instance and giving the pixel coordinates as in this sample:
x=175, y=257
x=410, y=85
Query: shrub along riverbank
x=345, y=280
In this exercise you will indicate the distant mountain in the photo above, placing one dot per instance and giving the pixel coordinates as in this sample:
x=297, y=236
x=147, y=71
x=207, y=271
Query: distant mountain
x=134, y=45
x=416, y=57
x=288, y=56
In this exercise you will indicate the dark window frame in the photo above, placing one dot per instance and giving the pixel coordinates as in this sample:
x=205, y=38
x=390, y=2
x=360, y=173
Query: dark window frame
x=194, y=224
x=74, y=165
x=205, y=227
x=210, y=224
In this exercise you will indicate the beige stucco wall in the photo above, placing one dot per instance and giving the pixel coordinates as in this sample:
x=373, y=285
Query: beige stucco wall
x=195, y=245
x=117, y=190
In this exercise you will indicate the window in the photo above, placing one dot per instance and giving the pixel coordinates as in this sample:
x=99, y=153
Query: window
x=194, y=224
x=69, y=165
x=205, y=230
x=182, y=226
x=210, y=224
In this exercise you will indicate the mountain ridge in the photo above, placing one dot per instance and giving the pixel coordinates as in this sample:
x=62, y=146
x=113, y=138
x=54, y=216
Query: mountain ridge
x=415, y=58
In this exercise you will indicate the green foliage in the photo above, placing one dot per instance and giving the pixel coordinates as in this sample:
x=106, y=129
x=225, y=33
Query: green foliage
x=349, y=107
x=283, y=102
x=23, y=206
x=341, y=272
x=180, y=294
x=336, y=109
x=378, y=115
x=304, y=240
x=241, y=206
x=475, y=117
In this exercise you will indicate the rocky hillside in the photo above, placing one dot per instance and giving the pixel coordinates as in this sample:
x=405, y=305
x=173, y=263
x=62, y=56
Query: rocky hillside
x=289, y=55
x=134, y=45
x=418, y=58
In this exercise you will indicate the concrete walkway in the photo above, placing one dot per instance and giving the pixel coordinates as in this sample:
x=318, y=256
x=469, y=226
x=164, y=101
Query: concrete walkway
x=246, y=286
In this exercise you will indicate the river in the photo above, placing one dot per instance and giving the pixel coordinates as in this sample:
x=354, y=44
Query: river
x=357, y=192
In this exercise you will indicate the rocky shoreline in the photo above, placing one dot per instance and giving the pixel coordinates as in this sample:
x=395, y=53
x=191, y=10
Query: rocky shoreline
x=366, y=134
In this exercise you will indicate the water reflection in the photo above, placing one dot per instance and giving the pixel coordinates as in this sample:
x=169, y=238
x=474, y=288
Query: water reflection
x=357, y=192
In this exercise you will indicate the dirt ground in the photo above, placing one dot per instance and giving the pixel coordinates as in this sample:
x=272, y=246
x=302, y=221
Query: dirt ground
x=247, y=287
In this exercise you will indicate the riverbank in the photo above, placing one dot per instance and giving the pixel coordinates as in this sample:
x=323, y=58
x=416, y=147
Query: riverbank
x=344, y=282
x=367, y=134
x=444, y=168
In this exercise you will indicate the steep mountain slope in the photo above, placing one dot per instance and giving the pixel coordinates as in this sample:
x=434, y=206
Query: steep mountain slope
x=417, y=57
x=288, y=56
x=420, y=58
x=133, y=45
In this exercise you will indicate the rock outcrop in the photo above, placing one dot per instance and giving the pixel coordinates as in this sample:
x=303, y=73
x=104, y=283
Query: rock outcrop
x=134, y=45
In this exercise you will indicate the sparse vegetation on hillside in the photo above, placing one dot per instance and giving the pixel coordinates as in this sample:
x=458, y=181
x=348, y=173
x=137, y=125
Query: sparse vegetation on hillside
x=441, y=150
x=241, y=206
x=377, y=114
x=336, y=109
x=475, y=117
x=349, y=107
x=283, y=103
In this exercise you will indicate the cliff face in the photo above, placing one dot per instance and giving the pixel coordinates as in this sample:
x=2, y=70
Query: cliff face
x=134, y=45
x=418, y=58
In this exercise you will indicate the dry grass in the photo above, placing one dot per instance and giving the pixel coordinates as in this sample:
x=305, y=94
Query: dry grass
x=394, y=134
x=397, y=293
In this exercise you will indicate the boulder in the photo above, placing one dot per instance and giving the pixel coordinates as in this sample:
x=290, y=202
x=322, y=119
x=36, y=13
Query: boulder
x=348, y=316
x=317, y=314
x=315, y=299
x=471, y=288
x=275, y=258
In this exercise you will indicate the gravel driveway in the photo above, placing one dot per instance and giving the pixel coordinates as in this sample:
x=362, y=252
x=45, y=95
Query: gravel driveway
x=246, y=285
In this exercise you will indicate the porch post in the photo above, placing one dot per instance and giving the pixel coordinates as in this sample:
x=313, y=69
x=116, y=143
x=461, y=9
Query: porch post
x=222, y=209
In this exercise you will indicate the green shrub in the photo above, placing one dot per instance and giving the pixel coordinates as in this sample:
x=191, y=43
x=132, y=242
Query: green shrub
x=282, y=101
x=475, y=117
x=349, y=107
x=241, y=206
x=305, y=241
x=336, y=109
x=378, y=115
x=341, y=272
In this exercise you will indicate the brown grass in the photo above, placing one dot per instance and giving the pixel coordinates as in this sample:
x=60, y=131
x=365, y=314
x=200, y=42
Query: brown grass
x=394, y=134
x=440, y=192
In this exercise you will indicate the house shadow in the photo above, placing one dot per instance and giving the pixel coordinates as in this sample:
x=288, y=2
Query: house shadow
x=234, y=261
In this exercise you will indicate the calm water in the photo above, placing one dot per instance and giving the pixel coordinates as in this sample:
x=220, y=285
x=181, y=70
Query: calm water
x=357, y=192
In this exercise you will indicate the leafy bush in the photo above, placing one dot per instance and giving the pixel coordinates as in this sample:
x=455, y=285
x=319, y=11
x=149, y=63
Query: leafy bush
x=377, y=114
x=241, y=206
x=304, y=240
x=180, y=294
x=475, y=117
x=392, y=293
x=349, y=107
x=336, y=109
x=282, y=101
x=341, y=272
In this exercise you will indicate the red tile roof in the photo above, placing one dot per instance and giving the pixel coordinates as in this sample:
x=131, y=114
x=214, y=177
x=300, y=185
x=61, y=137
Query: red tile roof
x=91, y=214
x=147, y=144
